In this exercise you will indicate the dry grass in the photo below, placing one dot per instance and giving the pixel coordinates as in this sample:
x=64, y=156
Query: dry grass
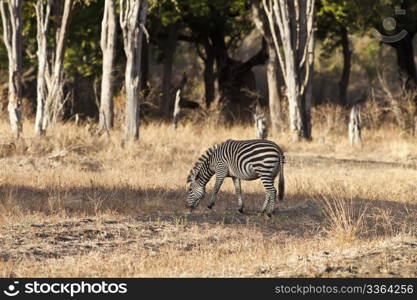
x=77, y=204
x=345, y=217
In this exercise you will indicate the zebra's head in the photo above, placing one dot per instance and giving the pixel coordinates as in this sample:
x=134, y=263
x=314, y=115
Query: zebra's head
x=198, y=177
x=196, y=189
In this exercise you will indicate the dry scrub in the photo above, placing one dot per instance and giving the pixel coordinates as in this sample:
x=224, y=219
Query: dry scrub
x=76, y=203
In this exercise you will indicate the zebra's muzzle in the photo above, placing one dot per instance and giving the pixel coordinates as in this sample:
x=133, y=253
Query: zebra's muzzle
x=190, y=205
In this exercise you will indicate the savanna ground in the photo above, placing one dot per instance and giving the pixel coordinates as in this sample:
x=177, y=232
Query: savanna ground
x=75, y=204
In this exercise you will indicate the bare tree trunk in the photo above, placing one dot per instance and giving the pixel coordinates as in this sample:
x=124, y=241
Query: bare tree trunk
x=208, y=58
x=291, y=26
x=177, y=108
x=355, y=125
x=209, y=76
x=344, y=80
x=108, y=47
x=308, y=96
x=132, y=20
x=55, y=99
x=274, y=94
x=261, y=129
x=144, y=67
x=12, y=36
x=43, y=10
x=294, y=106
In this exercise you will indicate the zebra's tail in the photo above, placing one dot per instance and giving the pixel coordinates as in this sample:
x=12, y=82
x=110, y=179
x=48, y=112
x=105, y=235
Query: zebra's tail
x=281, y=181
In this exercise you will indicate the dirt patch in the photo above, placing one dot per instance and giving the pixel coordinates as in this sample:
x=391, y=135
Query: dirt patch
x=68, y=238
x=388, y=258
x=149, y=235
x=151, y=231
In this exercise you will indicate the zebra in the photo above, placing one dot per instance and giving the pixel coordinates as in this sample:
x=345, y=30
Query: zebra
x=240, y=160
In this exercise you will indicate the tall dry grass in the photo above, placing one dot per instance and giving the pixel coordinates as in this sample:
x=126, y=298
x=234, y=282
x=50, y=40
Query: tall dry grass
x=337, y=197
x=345, y=216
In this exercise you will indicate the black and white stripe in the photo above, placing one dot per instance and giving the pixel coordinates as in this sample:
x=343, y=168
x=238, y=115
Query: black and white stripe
x=240, y=160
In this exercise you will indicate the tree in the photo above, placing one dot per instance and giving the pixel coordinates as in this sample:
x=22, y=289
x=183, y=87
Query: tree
x=272, y=68
x=132, y=20
x=56, y=98
x=43, y=10
x=216, y=28
x=169, y=46
x=336, y=19
x=49, y=108
x=165, y=22
x=12, y=36
x=83, y=64
x=291, y=25
x=108, y=47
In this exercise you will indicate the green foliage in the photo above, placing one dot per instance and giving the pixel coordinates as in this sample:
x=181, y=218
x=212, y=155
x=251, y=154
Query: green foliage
x=198, y=22
x=337, y=10
x=29, y=37
x=205, y=17
x=335, y=15
x=201, y=21
x=83, y=56
x=360, y=16
x=355, y=16
x=166, y=11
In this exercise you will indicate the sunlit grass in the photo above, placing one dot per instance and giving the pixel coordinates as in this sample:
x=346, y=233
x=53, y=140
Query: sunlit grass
x=338, y=197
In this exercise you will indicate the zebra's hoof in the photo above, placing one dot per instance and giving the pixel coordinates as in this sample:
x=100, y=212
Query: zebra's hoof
x=210, y=206
x=269, y=215
x=240, y=210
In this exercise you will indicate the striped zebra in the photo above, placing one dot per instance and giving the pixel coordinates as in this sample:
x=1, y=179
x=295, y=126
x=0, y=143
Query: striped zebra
x=240, y=160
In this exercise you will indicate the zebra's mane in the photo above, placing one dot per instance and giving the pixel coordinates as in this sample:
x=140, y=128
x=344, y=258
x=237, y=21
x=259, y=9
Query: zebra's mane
x=200, y=162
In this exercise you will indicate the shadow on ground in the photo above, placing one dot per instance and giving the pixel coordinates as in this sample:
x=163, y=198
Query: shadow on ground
x=297, y=214
x=144, y=221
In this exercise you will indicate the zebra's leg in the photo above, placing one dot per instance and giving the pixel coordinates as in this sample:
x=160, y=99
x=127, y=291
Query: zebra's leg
x=263, y=209
x=238, y=189
x=271, y=204
x=219, y=180
x=271, y=194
